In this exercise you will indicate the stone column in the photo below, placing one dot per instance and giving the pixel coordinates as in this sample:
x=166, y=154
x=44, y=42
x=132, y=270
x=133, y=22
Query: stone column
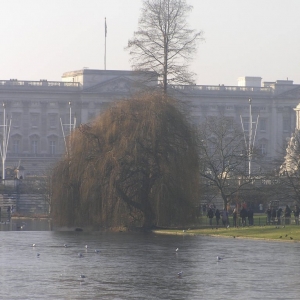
x=297, y=110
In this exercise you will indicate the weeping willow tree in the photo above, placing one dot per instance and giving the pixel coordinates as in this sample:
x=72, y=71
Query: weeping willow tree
x=135, y=165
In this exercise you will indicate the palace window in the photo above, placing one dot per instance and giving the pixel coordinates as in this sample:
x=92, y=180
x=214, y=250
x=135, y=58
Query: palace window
x=16, y=146
x=34, y=118
x=52, y=144
x=52, y=120
x=34, y=146
x=286, y=124
x=262, y=123
x=16, y=119
x=52, y=147
x=263, y=149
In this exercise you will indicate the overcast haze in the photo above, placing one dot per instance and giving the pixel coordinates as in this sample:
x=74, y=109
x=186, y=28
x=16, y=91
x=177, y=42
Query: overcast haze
x=43, y=39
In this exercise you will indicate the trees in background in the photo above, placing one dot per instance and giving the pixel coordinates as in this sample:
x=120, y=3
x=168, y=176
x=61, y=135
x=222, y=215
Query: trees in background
x=224, y=168
x=223, y=163
x=163, y=42
x=289, y=180
x=136, y=164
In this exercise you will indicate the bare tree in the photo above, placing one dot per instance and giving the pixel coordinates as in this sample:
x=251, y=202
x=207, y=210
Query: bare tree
x=163, y=42
x=290, y=169
x=136, y=164
x=222, y=159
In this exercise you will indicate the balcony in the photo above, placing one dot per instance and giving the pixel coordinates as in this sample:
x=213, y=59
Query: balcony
x=42, y=84
x=33, y=155
x=223, y=90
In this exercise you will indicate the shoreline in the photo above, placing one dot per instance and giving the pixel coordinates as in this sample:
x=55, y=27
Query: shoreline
x=285, y=233
x=289, y=233
x=30, y=218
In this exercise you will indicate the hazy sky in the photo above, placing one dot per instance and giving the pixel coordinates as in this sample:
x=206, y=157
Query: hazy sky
x=42, y=39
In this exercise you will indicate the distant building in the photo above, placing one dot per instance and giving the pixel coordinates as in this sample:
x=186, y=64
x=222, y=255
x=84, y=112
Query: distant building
x=38, y=108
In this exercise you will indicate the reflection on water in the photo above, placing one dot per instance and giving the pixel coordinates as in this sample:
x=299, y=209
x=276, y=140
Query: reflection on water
x=144, y=266
x=25, y=224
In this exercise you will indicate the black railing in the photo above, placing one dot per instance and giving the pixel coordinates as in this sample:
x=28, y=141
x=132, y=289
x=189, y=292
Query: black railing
x=257, y=221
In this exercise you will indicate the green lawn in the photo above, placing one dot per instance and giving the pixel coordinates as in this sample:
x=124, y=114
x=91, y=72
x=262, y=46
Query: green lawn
x=283, y=233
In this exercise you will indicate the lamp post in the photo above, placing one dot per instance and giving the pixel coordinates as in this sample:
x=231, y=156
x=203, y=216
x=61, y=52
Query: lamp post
x=251, y=137
x=6, y=131
x=250, y=146
x=71, y=126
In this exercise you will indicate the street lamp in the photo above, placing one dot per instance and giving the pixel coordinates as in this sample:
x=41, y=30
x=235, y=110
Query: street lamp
x=6, y=131
x=251, y=137
x=71, y=126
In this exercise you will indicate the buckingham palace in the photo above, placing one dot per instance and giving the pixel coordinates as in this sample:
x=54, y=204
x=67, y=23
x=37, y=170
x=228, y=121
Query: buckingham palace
x=40, y=113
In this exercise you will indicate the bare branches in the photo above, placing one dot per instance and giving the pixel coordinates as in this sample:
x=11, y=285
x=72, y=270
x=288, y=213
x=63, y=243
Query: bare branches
x=290, y=169
x=163, y=42
x=221, y=156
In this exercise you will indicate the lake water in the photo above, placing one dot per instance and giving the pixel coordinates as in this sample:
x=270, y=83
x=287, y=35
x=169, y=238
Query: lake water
x=144, y=266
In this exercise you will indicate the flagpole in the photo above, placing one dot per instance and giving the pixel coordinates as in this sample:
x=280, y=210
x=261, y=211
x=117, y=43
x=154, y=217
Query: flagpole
x=105, y=31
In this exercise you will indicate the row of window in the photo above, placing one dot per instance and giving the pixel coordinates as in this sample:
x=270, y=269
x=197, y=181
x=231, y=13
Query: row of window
x=54, y=120
x=34, y=120
x=260, y=146
x=34, y=146
x=262, y=124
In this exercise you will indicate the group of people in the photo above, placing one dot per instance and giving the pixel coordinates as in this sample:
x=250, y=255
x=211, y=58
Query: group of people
x=220, y=215
x=274, y=216
x=223, y=215
x=244, y=215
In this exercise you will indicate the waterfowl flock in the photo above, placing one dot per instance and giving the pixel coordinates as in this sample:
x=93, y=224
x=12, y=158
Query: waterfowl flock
x=79, y=255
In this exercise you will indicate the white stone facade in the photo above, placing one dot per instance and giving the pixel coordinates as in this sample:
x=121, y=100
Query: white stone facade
x=36, y=107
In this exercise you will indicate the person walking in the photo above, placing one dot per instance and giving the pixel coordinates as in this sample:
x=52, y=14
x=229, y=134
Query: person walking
x=243, y=215
x=225, y=218
x=250, y=217
x=287, y=215
x=210, y=215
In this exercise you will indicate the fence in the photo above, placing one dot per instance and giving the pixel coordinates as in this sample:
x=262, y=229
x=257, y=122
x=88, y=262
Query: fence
x=260, y=220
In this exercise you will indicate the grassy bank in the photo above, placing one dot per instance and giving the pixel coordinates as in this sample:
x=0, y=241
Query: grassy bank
x=289, y=233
